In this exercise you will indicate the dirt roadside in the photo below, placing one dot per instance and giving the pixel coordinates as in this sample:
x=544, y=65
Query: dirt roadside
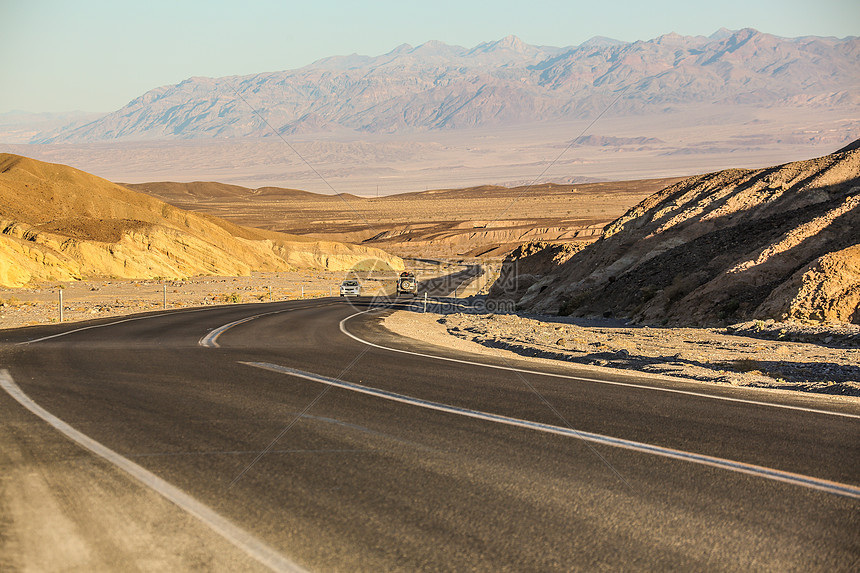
x=822, y=359
x=807, y=358
x=105, y=298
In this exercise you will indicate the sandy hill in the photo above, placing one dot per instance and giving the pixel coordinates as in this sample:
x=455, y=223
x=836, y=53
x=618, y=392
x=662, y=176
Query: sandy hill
x=62, y=224
x=781, y=242
x=175, y=192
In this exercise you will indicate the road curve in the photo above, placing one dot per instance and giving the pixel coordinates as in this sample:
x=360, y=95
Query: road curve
x=250, y=426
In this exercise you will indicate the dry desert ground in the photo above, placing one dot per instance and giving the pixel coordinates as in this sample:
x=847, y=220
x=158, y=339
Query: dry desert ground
x=103, y=298
x=485, y=222
x=476, y=225
x=768, y=355
x=685, y=142
x=820, y=359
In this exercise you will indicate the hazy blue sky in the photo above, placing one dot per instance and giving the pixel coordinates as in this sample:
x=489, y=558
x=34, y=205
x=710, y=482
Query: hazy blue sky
x=95, y=55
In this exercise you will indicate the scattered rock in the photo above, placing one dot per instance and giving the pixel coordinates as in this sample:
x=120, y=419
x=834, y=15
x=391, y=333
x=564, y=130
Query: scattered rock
x=746, y=354
x=714, y=249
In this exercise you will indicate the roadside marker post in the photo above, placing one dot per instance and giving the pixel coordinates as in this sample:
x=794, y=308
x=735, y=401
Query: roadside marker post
x=425, y=301
x=164, y=296
x=61, y=305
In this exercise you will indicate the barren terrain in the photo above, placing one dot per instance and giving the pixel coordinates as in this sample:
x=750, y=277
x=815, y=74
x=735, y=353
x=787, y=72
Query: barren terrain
x=105, y=298
x=768, y=260
x=58, y=223
x=482, y=221
x=778, y=243
x=466, y=223
x=684, y=142
x=821, y=359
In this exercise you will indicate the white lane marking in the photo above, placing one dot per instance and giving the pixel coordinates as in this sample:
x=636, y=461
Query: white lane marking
x=211, y=339
x=66, y=333
x=208, y=341
x=586, y=379
x=243, y=540
x=741, y=467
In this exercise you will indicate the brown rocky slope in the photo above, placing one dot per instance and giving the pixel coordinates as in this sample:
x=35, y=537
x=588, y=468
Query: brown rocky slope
x=776, y=243
x=61, y=224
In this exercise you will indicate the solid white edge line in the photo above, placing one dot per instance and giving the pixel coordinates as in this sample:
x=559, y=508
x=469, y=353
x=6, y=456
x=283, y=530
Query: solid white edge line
x=240, y=538
x=586, y=379
x=810, y=482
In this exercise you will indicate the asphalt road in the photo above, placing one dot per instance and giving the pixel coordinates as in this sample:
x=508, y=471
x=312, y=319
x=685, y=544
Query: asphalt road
x=447, y=285
x=333, y=478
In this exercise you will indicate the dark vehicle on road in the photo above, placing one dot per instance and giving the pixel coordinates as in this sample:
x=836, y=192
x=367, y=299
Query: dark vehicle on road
x=407, y=284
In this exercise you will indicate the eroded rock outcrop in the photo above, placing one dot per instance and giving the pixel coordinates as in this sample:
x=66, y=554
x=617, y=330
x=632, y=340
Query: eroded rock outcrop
x=780, y=242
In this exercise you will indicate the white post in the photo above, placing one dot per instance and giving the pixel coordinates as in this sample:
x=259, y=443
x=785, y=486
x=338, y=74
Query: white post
x=425, y=301
x=61, y=305
x=164, y=295
x=303, y=291
x=270, y=293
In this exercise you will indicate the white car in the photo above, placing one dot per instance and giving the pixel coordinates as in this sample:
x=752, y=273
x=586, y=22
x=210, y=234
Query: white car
x=350, y=288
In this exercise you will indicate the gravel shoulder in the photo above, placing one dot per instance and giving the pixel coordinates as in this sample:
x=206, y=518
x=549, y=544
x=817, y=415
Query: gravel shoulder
x=783, y=356
x=86, y=300
x=105, y=298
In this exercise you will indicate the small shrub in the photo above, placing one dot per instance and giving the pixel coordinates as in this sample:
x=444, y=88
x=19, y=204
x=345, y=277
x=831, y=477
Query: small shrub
x=571, y=304
x=647, y=292
x=233, y=298
x=746, y=365
x=683, y=284
x=729, y=308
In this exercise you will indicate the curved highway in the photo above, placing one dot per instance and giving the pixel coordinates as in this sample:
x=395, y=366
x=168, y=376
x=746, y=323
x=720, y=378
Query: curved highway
x=306, y=437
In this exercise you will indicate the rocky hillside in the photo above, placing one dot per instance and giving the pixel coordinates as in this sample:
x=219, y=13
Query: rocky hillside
x=61, y=224
x=507, y=82
x=781, y=242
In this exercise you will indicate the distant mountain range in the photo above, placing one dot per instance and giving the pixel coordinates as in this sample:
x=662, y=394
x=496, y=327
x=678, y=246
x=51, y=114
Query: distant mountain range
x=437, y=86
x=27, y=127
